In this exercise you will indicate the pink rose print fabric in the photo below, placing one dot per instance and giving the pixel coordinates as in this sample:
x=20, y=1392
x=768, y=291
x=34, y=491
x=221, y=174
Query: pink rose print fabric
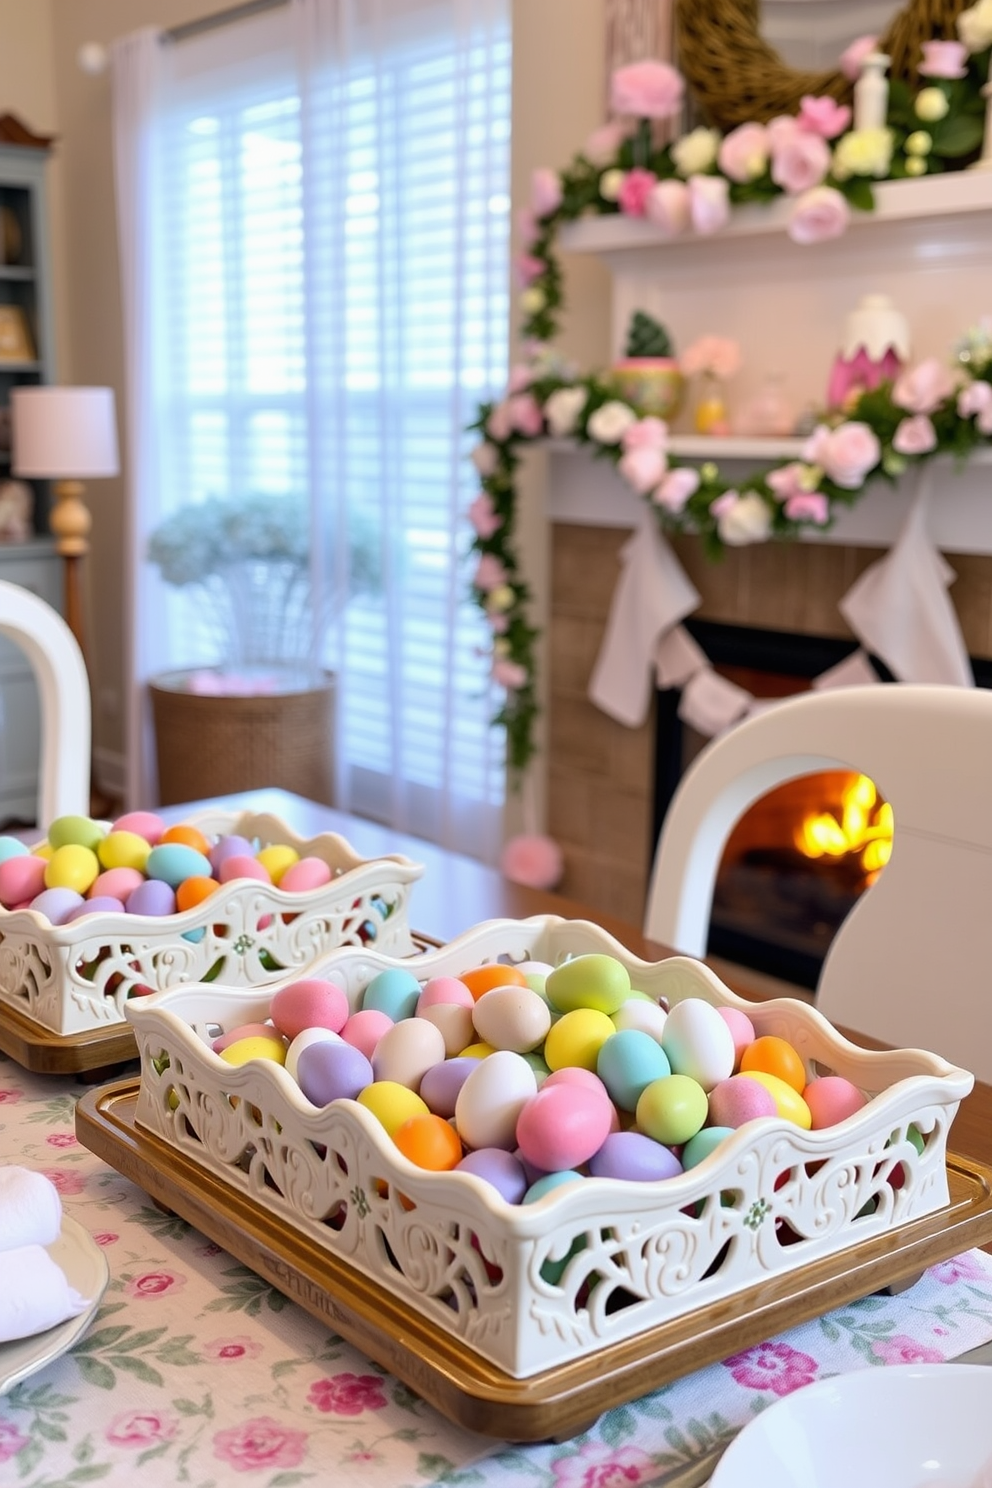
x=772, y=1366
x=348, y=1394
x=260, y=1443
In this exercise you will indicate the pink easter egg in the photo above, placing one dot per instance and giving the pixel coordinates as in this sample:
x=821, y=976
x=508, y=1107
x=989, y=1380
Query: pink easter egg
x=244, y=1030
x=445, y=990
x=243, y=867
x=563, y=1127
x=229, y=847
x=309, y=1003
x=21, y=878
x=143, y=823
x=831, y=1098
x=364, y=1029
x=306, y=874
x=117, y=882
x=741, y=1029
x=739, y=1099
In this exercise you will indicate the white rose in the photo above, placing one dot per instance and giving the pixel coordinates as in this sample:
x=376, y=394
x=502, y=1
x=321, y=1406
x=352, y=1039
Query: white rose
x=485, y=458
x=532, y=300
x=931, y=105
x=562, y=410
x=610, y=423
x=611, y=184
x=695, y=152
x=749, y=520
x=863, y=152
x=975, y=26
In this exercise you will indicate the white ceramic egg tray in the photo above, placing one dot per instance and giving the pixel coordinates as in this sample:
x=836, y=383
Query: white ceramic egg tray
x=74, y=978
x=767, y=1201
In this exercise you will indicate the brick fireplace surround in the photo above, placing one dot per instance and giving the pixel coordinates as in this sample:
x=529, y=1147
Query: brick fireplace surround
x=600, y=773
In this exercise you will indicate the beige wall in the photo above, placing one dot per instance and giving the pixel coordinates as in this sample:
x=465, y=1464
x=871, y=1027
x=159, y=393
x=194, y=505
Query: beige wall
x=557, y=100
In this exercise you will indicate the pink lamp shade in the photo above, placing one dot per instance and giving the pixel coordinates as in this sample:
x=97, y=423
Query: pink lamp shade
x=64, y=433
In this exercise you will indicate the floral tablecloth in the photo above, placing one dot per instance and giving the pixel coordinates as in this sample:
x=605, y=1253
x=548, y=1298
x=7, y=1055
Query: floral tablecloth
x=197, y=1372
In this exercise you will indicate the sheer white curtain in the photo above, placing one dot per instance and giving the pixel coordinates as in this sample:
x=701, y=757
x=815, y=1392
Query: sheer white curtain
x=314, y=227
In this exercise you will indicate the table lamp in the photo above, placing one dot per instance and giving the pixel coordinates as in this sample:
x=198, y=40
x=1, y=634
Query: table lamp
x=66, y=435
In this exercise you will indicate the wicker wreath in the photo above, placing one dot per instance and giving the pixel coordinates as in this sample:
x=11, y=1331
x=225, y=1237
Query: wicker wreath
x=735, y=76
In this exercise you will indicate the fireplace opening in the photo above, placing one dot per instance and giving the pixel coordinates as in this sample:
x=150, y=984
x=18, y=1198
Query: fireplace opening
x=800, y=857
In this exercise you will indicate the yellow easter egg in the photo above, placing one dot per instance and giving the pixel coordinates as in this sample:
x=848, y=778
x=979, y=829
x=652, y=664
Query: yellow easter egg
x=255, y=1047
x=276, y=859
x=478, y=1050
x=72, y=867
x=788, y=1102
x=392, y=1104
x=124, y=850
x=577, y=1038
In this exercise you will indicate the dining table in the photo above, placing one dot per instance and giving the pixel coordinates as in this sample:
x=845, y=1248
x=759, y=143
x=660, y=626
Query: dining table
x=196, y=1369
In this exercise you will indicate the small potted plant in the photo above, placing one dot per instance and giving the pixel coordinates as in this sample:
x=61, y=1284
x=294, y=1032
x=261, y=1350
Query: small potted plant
x=648, y=377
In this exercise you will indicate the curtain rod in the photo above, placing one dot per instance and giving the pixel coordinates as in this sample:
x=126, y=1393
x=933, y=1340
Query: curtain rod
x=220, y=18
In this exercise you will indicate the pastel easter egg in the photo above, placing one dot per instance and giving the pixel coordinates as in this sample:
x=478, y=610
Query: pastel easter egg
x=242, y=1031
x=444, y=990
x=364, y=1029
x=242, y=1051
x=672, y=1109
x=477, y=1050
x=832, y=1098
x=237, y=867
x=100, y=904
x=699, y=1147
x=592, y=981
x=171, y=862
x=577, y=1038
x=775, y=1056
x=304, y=1040
x=573, y=1074
x=72, y=867
x=627, y=1062
x=332, y=1071
x=491, y=1099
x=119, y=883
x=303, y=876
x=789, y=1104
x=123, y=850
x=429, y=1142
x=741, y=1029
x=479, y=979
x=698, y=1042
x=635, y=1158
x=57, y=904
x=75, y=831
x=737, y=1100
x=391, y=1104
x=229, y=846
x=12, y=847
x=407, y=1050
x=311, y=1002
x=394, y=991
x=500, y=1169
x=153, y=897
x=276, y=858
x=442, y=1082
x=642, y=1014
x=454, y=1023
x=512, y=1018
x=193, y=891
x=21, y=878
x=145, y=823
x=562, y=1127
x=546, y=1184
x=186, y=835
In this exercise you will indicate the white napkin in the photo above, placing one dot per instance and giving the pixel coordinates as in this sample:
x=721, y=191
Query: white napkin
x=652, y=594
x=30, y=1210
x=34, y=1293
x=900, y=609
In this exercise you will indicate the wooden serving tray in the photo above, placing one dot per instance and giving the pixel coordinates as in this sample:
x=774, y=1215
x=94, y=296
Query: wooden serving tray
x=467, y=1388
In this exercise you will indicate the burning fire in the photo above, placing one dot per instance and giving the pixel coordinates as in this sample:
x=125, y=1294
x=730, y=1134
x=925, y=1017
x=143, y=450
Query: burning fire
x=863, y=827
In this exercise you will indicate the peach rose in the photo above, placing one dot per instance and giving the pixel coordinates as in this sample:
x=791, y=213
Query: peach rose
x=922, y=388
x=668, y=207
x=819, y=214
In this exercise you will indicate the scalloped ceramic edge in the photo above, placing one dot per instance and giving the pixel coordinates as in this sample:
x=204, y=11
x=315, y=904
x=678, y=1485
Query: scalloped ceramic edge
x=86, y=1268
x=77, y=977
x=530, y=1287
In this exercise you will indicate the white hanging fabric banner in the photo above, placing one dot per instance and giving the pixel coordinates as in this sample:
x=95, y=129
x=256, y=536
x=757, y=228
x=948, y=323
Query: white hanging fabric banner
x=677, y=658
x=854, y=671
x=711, y=703
x=900, y=609
x=653, y=593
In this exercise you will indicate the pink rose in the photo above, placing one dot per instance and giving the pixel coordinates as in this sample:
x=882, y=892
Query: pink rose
x=772, y=1366
x=595, y=1465
x=959, y=1268
x=637, y=187
x=499, y=621
x=818, y=215
x=545, y=192
x=943, y=59
x=852, y=58
x=260, y=1443
x=976, y=398
x=923, y=388
x=154, y=1284
x=915, y=436
x=643, y=468
x=485, y=458
x=846, y=453
x=743, y=153
x=648, y=90
x=899, y=1349
x=489, y=573
x=709, y=203
x=106, y=1237
x=719, y=355
x=521, y=376
x=525, y=414
x=646, y=433
x=602, y=145
x=141, y=1429
x=483, y=515
x=348, y=1394
x=66, y=1181
x=800, y=160
x=668, y=207
x=527, y=268
x=788, y=480
x=509, y=674
x=10, y=1097
x=823, y=116
x=499, y=424
x=11, y=1441
x=527, y=228
x=230, y=1350
x=62, y=1139
x=808, y=506
x=676, y=488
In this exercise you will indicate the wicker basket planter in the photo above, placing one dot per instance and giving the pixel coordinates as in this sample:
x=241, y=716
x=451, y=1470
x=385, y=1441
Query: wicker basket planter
x=212, y=744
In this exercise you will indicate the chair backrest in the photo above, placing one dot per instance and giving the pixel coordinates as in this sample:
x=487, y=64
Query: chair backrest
x=64, y=696
x=912, y=962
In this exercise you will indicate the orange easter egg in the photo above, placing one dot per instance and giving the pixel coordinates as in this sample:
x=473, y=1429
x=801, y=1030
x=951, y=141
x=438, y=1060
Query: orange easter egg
x=189, y=836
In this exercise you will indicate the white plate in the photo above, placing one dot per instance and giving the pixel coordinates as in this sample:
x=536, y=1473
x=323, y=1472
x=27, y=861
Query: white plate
x=86, y=1269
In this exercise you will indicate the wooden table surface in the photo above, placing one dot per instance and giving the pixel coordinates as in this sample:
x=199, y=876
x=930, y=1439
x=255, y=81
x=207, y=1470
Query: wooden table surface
x=457, y=892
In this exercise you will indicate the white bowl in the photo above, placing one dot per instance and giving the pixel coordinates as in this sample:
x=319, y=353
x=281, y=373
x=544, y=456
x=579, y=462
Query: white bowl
x=902, y=1426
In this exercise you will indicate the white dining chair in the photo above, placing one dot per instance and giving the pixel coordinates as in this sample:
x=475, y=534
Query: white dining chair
x=64, y=697
x=912, y=962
